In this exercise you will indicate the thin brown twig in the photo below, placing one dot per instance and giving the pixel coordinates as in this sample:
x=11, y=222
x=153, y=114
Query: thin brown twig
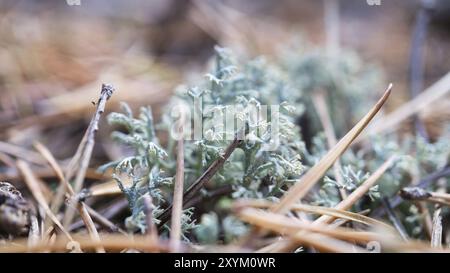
x=203, y=179
x=81, y=160
x=103, y=221
x=419, y=194
x=107, y=213
x=83, y=155
x=425, y=182
x=394, y=219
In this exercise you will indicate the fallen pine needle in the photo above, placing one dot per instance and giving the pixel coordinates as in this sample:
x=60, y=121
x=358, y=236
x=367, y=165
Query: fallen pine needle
x=308, y=180
x=430, y=95
x=336, y=213
x=285, y=245
x=35, y=190
x=268, y=220
x=116, y=242
x=177, y=207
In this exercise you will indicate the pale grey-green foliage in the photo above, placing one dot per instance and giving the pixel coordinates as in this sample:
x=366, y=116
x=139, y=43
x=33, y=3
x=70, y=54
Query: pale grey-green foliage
x=145, y=167
x=252, y=170
x=210, y=227
x=208, y=230
x=344, y=78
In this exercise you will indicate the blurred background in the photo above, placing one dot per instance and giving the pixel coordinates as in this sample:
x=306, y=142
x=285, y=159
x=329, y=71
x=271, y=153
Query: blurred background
x=54, y=56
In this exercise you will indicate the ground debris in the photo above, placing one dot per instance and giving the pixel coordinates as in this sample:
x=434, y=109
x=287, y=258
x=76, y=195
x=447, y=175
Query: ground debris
x=415, y=193
x=15, y=211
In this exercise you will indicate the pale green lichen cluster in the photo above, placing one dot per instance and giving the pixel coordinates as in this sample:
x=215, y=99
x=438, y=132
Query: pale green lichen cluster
x=253, y=171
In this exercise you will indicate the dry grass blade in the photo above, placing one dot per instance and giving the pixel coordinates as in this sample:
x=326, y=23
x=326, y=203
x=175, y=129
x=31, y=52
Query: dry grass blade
x=341, y=222
x=439, y=201
x=90, y=226
x=57, y=107
x=308, y=180
x=177, y=205
x=324, y=116
x=410, y=247
x=268, y=220
x=332, y=26
x=111, y=242
x=391, y=244
x=21, y=153
x=421, y=102
x=45, y=172
x=289, y=227
x=107, y=188
x=308, y=236
x=63, y=186
x=336, y=213
x=343, y=205
x=440, y=195
x=364, y=188
x=35, y=189
x=46, y=154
